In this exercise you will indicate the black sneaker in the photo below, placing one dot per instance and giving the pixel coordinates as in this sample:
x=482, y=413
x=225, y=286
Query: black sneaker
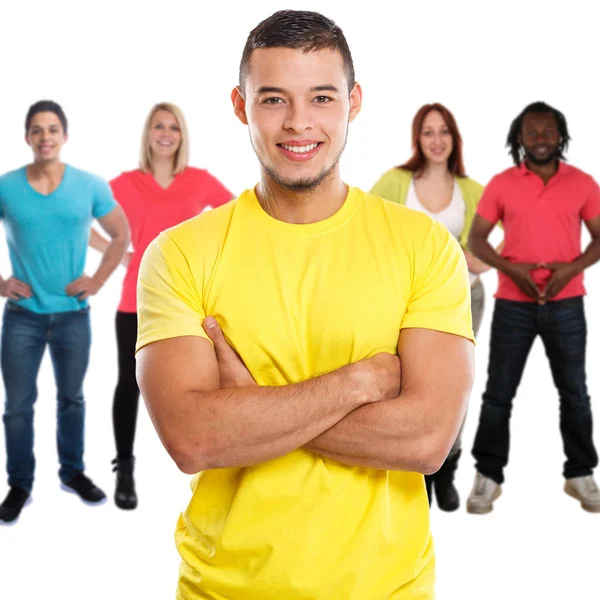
x=14, y=502
x=85, y=488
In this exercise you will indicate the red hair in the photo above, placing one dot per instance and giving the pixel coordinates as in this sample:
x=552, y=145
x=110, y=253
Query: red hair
x=416, y=163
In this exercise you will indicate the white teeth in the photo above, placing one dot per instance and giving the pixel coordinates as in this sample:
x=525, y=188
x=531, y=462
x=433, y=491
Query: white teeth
x=299, y=149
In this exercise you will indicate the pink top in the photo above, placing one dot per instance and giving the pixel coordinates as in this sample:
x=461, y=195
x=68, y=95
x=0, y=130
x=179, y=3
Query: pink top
x=542, y=223
x=151, y=209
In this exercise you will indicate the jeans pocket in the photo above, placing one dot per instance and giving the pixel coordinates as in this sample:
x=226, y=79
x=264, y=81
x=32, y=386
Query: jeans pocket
x=14, y=307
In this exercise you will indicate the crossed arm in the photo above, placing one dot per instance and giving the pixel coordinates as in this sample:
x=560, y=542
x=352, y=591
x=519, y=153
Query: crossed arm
x=209, y=412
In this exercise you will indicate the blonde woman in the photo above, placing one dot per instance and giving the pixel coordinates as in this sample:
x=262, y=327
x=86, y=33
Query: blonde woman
x=161, y=193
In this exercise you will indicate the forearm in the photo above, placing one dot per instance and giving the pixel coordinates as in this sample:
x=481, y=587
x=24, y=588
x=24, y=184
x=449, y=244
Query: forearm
x=485, y=252
x=113, y=253
x=590, y=256
x=97, y=242
x=244, y=426
x=398, y=434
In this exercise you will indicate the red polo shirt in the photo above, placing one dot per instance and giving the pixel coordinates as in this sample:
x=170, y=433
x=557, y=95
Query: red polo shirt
x=542, y=224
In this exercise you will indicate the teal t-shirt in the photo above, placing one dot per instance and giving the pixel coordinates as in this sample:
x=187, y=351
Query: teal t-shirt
x=48, y=235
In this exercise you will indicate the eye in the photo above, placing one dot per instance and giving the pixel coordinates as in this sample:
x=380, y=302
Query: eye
x=323, y=99
x=273, y=100
x=427, y=133
x=174, y=128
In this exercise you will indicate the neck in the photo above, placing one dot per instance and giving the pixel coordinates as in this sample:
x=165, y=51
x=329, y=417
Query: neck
x=303, y=206
x=544, y=171
x=53, y=168
x=436, y=171
x=163, y=167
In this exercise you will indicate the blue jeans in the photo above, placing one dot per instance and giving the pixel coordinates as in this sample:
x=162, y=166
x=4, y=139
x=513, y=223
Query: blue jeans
x=562, y=327
x=25, y=335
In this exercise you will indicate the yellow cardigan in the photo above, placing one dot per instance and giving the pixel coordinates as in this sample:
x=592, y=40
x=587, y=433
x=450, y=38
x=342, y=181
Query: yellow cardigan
x=393, y=185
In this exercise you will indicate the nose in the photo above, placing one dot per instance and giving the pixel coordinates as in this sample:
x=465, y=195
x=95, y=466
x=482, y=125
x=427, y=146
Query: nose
x=437, y=138
x=542, y=137
x=298, y=117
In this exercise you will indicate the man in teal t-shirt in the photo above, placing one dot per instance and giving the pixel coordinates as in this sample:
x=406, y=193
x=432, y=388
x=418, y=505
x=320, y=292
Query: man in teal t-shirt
x=47, y=208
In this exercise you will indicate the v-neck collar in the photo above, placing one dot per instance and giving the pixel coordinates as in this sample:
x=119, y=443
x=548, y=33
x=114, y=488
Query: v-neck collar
x=151, y=182
x=53, y=192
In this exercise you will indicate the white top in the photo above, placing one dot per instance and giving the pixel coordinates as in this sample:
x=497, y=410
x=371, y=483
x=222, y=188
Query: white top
x=453, y=216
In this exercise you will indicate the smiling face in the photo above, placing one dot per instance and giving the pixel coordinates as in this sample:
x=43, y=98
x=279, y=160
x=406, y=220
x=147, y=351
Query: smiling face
x=165, y=135
x=540, y=138
x=297, y=109
x=46, y=137
x=435, y=138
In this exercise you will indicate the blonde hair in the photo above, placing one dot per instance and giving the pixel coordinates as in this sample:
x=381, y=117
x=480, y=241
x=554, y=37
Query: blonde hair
x=182, y=154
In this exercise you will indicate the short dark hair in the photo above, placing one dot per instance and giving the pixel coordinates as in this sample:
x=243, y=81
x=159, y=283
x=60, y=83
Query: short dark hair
x=46, y=106
x=512, y=141
x=300, y=30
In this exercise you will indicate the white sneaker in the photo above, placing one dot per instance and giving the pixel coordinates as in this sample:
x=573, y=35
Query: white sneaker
x=586, y=491
x=483, y=494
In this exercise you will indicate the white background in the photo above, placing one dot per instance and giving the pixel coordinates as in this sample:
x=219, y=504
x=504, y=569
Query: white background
x=107, y=63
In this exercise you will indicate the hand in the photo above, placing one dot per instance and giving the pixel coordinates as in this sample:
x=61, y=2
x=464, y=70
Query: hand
x=126, y=259
x=520, y=274
x=475, y=266
x=84, y=287
x=381, y=375
x=14, y=289
x=562, y=273
x=232, y=369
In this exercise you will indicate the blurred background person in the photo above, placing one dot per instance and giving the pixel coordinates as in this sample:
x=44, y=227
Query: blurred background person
x=164, y=191
x=433, y=181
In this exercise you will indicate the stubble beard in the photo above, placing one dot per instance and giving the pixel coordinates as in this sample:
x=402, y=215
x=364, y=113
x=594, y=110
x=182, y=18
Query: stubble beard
x=300, y=185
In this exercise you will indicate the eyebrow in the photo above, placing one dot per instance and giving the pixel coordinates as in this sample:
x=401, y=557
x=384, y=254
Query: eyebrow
x=317, y=88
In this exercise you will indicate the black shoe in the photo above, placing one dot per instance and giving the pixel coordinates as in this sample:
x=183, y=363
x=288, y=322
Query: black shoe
x=84, y=487
x=125, y=496
x=13, y=504
x=446, y=494
x=429, y=487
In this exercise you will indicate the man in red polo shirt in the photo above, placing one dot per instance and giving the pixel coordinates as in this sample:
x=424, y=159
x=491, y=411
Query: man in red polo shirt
x=541, y=203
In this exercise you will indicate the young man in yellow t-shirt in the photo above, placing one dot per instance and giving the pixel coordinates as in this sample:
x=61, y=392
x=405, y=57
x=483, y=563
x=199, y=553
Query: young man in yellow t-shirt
x=305, y=349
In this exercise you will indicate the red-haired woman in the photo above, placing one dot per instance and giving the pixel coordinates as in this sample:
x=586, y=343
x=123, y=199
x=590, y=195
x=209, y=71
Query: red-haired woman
x=433, y=181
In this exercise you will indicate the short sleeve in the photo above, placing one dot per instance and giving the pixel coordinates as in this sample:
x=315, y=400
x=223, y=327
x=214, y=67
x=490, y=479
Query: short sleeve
x=591, y=207
x=490, y=204
x=218, y=194
x=104, y=201
x=168, y=302
x=440, y=296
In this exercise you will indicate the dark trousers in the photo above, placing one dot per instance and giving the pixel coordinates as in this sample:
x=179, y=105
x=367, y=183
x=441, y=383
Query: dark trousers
x=447, y=470
x=127, y=393
x=562, y=327
x=25, y=336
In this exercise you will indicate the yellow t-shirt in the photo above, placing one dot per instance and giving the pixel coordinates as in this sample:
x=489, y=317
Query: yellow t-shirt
x=297, y=301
